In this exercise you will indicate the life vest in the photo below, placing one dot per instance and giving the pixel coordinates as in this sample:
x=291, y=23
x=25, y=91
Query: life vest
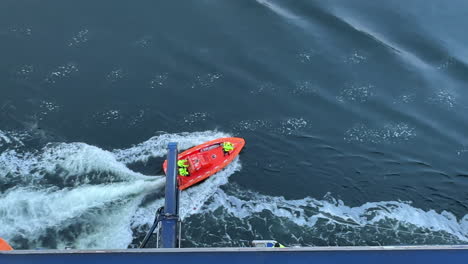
x=183, y=172
x=227, y=146
x=182, y=163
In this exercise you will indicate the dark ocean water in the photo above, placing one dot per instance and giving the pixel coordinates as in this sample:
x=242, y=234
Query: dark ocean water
x=354, y=113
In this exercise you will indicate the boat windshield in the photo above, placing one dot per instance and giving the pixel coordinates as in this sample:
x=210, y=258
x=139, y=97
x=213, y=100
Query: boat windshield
x=210, y=147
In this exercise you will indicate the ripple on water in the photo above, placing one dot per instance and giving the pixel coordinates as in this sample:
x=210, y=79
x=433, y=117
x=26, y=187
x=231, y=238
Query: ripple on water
x=159, y=80
x=62, y=72
x=356, y=93
x=264, y=88
x=107, y=117
x=389, y=133
x=445, y=64
x=24, y=71
x=20, y=31
x=144, y=42
x=463, y=150
x=252, y=125
x=305, y=88
x=196, y=117
x=306, y=56
x=115, y=75
x=80, y=38
x=357, y=57
x=206, y=80
x=292, y=125
x=47, y=108
x=444, y=98
x=283, y=127
x=137, y=118
x=405, y=98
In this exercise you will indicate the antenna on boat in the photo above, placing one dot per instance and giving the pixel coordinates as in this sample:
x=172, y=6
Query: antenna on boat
x=167, y=217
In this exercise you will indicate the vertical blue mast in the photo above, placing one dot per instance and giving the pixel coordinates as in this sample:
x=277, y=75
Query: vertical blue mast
x=171, y=208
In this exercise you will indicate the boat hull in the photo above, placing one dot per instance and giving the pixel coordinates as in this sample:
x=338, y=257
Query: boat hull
x=206, y=160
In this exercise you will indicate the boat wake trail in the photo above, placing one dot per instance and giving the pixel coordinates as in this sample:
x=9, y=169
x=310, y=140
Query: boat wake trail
x=192, y=200
x=34, y=216
x=77, y=195
x=327, y=222
x=81, y=196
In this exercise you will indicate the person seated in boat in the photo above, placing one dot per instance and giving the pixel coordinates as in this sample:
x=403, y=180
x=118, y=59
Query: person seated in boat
x=183, y=163
x=183, y=167
x=227, y=147
x=183, y=172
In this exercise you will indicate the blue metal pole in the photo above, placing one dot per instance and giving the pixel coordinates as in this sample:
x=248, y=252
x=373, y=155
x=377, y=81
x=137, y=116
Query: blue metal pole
x=171, y=207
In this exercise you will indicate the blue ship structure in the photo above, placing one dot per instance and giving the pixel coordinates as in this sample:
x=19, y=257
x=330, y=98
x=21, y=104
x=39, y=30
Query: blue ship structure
x=167, y=226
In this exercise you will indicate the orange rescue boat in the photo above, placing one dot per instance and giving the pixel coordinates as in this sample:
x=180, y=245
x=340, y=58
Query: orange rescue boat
x=207, y=159
x=4, y=245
